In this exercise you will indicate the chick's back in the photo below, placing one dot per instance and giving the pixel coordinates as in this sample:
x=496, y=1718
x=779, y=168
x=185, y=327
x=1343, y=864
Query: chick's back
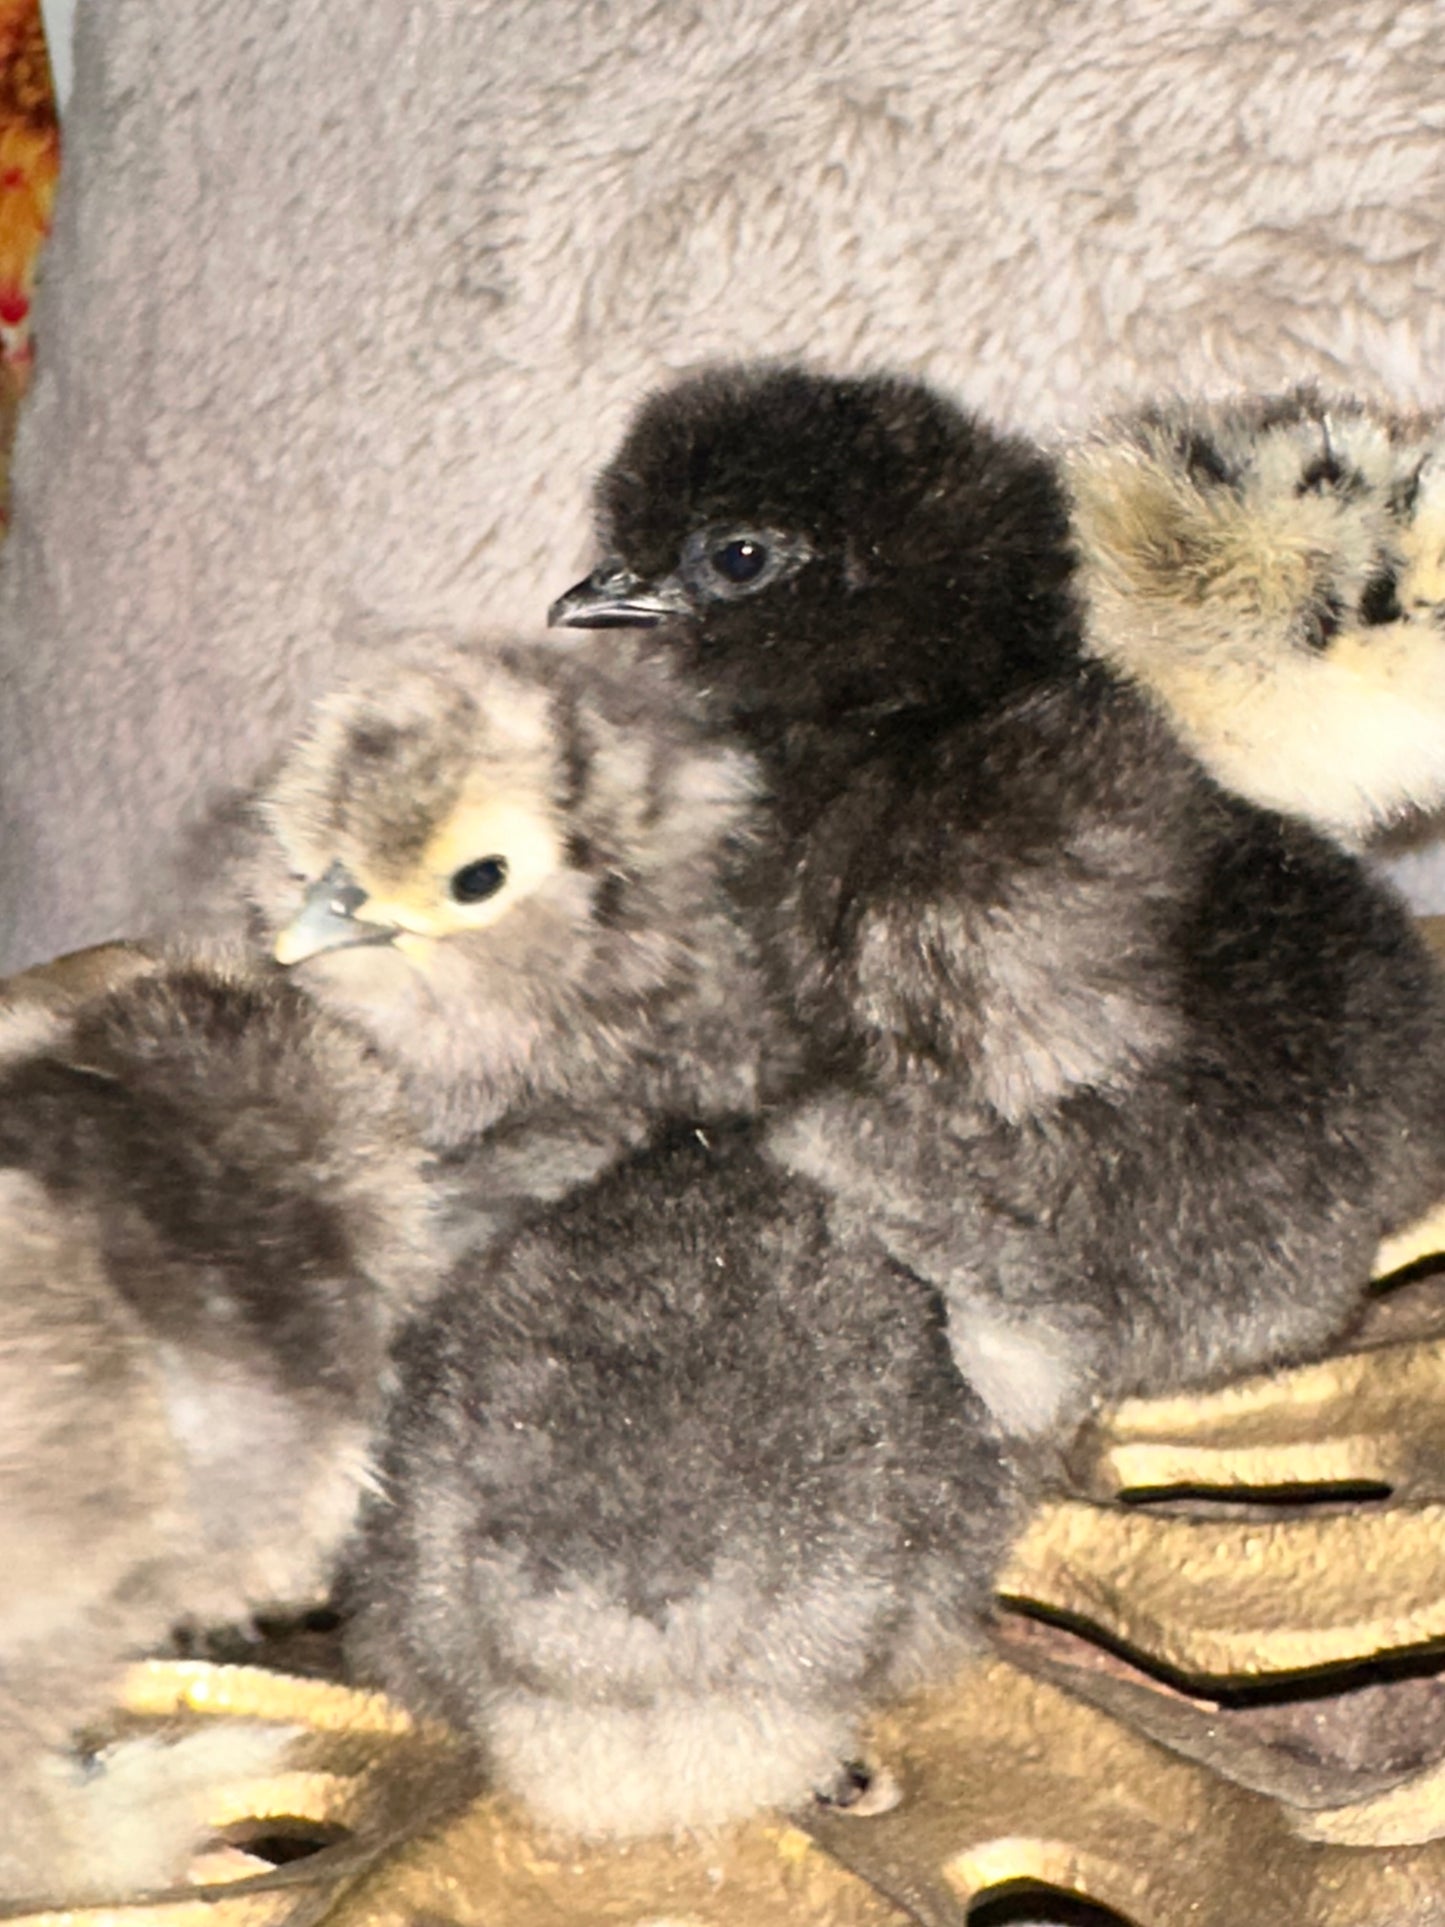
x=672, y=1491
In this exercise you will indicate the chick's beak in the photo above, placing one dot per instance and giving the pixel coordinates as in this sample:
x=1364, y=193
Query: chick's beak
x=612, y=597
x=329, y=920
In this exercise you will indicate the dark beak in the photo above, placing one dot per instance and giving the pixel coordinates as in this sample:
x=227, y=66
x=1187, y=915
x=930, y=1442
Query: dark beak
x=613, y=598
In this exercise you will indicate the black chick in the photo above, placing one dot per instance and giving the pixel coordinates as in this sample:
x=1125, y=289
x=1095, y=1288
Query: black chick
x=800, y=539
x=215, y=1214
x=1137, y=1072
x=677, y=1485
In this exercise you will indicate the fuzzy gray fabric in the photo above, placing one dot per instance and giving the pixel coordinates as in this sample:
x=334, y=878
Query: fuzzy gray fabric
x=346, y=304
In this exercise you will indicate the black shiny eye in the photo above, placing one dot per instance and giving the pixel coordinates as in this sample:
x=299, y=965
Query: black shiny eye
x=475, y=882
x=722, y=563
x=742, y=560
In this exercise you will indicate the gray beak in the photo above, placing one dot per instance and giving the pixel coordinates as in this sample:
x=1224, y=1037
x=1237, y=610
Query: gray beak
x=327, y=920
x=613, y=598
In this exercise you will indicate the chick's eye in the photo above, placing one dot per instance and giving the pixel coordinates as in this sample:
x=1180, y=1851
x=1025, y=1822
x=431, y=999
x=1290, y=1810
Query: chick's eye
x=741, y=560
x=721, y=563
x=475, y=882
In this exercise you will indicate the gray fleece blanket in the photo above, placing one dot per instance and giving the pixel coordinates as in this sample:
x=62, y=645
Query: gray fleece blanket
x=347, y=303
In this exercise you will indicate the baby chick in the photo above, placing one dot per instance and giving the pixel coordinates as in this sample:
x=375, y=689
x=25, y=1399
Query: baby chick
x=1138, y=1073
x=514, y=867
x=677, y=1484
x=215, y=1216
x=1272, y=573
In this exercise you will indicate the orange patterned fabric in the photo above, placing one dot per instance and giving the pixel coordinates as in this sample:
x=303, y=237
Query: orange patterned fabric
x=29, y=164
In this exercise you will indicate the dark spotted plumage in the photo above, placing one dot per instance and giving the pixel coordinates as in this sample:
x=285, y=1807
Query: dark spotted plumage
x=1270, y=572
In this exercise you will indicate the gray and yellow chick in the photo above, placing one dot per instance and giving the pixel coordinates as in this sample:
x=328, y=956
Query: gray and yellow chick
x=1272, y=572
x=515, y=869
x=214, y=1214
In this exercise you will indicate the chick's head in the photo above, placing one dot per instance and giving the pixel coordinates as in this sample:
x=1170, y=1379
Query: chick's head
x=503, y=860
x=815, y=547
x=1272, y=571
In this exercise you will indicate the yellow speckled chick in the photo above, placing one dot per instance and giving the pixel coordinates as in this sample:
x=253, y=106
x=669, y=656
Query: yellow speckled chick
x=1273, y=572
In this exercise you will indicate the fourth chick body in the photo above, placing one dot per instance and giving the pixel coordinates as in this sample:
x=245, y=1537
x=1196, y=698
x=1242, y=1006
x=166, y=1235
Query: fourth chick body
x=215, y=1218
